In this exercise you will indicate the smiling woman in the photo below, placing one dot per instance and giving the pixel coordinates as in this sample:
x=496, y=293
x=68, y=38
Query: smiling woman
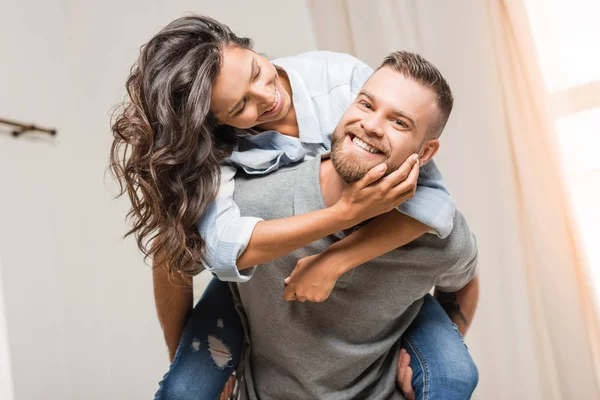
x=260, y=103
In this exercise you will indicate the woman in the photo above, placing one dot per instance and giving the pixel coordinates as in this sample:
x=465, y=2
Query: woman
x=196, y=93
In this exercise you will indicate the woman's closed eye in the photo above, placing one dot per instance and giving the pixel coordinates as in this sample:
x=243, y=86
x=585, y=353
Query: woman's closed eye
x=241, y=109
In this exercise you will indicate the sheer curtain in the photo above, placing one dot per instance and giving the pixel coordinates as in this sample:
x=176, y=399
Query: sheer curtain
x=535, y=335
x=559, y=278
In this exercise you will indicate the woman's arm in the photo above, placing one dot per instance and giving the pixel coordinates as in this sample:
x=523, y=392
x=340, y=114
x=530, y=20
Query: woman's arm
x=314, y=276
x=360, y=201
x=227, y=234
x=173, y=298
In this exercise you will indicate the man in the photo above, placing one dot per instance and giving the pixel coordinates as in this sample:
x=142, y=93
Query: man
x=347, y=347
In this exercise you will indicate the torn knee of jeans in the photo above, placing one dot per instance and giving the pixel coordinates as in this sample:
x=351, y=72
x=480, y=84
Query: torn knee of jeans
x=219, y=352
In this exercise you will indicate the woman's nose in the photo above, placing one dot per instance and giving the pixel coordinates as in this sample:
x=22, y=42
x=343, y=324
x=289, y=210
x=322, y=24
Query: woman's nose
x=264, y=93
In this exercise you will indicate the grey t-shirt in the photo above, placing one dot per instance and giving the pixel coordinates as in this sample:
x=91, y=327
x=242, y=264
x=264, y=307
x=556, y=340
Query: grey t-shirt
x=346, y=347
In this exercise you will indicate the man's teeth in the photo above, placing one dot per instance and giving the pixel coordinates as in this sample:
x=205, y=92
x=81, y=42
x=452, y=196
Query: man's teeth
x=365, y=146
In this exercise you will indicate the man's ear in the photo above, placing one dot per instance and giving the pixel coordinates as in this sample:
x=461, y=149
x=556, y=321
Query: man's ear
x=429, y=150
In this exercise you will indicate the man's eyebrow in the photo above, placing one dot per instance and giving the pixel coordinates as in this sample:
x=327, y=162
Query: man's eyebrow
x=368, y=95
x=394, y=110
x=236, y=105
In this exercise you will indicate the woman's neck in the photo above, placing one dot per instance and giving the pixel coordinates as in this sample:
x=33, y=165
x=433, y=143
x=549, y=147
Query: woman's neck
x=288, y=125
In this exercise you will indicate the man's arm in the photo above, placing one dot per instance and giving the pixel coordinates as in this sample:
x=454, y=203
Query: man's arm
x=381, y=235
x=173, y=296
x=460, y=305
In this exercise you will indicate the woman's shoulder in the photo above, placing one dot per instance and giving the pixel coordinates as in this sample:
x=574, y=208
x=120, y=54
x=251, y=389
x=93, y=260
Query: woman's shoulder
x=321, y=71
x=319, y=59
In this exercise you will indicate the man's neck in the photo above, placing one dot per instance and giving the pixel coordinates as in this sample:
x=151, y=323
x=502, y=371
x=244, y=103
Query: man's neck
x=332, y=184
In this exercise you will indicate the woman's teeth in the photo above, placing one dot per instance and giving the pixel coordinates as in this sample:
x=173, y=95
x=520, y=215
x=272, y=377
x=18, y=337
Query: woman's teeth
x=365, y=146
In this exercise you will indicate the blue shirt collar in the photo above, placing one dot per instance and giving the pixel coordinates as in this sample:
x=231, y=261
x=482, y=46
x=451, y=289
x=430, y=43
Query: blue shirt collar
x=308, y=123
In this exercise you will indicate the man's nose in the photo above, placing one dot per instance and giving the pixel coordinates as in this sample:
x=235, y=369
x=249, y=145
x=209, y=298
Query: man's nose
x=372, y=124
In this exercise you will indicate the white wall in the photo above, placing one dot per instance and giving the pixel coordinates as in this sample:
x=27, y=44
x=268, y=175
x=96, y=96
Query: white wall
x=79, y=308
x=6, y=383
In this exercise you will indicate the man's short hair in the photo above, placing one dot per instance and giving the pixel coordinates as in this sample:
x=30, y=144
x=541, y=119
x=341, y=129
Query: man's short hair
x=414, y=66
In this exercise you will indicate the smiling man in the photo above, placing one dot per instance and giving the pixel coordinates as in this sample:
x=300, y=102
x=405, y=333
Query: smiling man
x=348, y=346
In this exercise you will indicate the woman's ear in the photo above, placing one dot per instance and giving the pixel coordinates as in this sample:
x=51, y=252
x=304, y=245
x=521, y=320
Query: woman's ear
x=428, y=151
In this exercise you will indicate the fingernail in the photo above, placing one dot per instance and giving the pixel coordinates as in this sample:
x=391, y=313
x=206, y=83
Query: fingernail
x=416, y=158
x=380, y=167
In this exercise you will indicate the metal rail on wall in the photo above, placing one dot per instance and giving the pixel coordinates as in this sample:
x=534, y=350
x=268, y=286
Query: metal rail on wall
x=19, y=128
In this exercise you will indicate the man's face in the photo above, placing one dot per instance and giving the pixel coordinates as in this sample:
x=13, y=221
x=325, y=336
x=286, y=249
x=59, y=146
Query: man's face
x=387, y=122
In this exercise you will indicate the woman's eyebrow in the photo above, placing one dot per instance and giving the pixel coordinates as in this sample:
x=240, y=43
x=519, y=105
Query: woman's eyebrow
x=236, y=105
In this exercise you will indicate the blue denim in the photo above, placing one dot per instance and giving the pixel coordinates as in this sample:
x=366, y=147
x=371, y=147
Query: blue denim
x=441, y=363
x=442, y=366
x=201, y=366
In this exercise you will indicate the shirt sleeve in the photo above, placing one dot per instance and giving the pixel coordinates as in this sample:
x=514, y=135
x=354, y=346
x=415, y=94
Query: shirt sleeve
x=225, y=232
x=431, y=204
x=361, y=73
x=463, y=271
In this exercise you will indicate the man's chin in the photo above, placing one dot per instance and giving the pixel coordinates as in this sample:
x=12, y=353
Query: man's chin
x=351, y=167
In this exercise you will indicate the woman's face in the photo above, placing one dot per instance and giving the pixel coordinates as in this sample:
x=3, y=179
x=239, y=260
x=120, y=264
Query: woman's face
x=248, y=90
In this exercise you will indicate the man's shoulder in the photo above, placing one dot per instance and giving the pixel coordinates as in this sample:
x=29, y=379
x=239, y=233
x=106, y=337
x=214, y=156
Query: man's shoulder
x=430, y=249
x=460, y=244
x=283, y=176
x=290, y=190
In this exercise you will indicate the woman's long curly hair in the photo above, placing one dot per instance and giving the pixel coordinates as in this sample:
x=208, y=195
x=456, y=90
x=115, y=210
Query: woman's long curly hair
x=167, y=145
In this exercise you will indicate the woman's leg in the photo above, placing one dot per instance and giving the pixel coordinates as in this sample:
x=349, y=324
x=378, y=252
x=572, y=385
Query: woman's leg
x=209, y=349
x=441, y=363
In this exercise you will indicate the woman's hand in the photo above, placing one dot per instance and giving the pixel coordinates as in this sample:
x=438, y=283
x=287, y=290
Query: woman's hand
x=373, y=195
x=312, y=280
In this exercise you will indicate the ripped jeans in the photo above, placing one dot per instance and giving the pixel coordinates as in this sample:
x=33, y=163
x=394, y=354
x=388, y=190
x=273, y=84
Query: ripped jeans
x=212, y=342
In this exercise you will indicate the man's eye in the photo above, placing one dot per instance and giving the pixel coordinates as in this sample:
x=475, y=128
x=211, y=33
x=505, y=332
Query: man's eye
x=365, y=105
x=401, y=123
x=258, y=69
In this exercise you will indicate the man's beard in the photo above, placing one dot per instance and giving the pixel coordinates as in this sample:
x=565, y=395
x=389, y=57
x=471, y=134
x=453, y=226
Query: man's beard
x=351, y=167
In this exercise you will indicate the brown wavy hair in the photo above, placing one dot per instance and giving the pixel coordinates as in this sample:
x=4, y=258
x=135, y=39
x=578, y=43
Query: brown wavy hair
x=167, y=145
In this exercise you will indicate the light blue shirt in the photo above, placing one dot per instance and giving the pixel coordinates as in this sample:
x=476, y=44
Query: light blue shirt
x=324, y=84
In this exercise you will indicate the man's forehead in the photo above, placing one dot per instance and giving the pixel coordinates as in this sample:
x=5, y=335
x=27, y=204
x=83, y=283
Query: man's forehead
x=390, y=79
x=398, y=91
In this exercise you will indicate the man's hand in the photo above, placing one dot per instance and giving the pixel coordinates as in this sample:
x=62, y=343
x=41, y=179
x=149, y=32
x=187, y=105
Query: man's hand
x=312, y=280
x=405, y=375
x=373, y=195
x=228, y=389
